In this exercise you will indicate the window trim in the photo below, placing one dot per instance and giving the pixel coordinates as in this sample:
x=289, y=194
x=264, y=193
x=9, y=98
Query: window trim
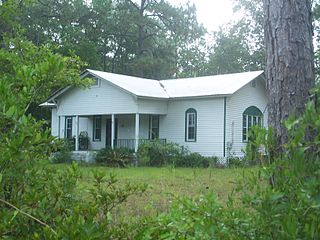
x=251, y=115
x=94, y=128
x=190, y=112
x=95, y=79
x=66, y=129
x=151, y=131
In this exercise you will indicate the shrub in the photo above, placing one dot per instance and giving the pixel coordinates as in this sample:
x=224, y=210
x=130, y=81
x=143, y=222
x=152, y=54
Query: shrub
x=195, y=160
x=52, y=208
x=118, y=157
x=157, y=154
x=200, y=218
x=63, y=152
x=236, y=162
x=255, y=148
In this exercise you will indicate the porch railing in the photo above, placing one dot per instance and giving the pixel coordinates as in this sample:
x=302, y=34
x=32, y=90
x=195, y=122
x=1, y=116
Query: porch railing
x=130, y=143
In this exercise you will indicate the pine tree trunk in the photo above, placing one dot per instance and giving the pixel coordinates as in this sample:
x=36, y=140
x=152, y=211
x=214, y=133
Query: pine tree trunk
x=289, y=61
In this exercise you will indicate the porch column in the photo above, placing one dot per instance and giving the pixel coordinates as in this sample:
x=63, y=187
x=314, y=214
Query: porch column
x=136, y=134
x=59, y=119
x=112, y=130
x=77, y=133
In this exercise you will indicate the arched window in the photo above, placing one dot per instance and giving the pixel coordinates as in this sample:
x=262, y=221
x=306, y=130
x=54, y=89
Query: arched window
x=251, y=116
x=191, y=125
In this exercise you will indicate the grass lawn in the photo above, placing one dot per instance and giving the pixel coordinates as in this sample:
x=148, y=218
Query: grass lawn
x=164, y=185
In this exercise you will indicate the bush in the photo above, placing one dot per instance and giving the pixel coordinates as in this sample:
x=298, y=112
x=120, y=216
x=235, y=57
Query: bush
x=255, y=148
x=157, y=154
x=195, y=160
x=236, y=162
x=118, y=157
x=200, y=218
x=63, y=152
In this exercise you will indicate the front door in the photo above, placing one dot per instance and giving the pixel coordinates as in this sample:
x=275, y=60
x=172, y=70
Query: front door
x=108, y=131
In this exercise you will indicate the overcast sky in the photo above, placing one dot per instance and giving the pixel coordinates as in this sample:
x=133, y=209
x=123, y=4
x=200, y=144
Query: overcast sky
x=212, y=13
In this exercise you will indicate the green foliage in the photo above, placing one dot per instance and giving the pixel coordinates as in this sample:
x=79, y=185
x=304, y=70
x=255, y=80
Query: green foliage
x=63, y=151
x=52, y=198
x=35, y=72
x=37, y=202
x=236, y=162
x=154, y=153
x=118, y=157
x=195, y=160
x=260, y=147
x=201, y=218
x=147, y=38
x=233, y=52
x=157, y=154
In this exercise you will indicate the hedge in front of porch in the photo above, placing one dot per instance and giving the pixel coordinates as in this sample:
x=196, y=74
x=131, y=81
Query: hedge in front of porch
x=157, y=154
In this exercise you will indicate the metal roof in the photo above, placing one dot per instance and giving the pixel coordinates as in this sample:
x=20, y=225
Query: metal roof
x=215, y=85
x=225, y=84
x=141, y=87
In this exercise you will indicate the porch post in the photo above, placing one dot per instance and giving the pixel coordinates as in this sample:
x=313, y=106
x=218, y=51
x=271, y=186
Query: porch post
x=112, y=130
x=136, y=135
x=77, y=133
x=59, y=119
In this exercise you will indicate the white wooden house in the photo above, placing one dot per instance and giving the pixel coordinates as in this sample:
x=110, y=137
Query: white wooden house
x=209, y=115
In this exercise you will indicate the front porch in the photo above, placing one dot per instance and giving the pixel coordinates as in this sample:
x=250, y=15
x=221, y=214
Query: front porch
x=109, y=130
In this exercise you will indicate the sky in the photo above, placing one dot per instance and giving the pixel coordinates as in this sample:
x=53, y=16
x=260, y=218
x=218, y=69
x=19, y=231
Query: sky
x=211, y=13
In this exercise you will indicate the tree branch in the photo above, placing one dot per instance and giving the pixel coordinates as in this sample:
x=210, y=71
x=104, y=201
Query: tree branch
x=134, y=5
x=33, y=97
x=28, y=215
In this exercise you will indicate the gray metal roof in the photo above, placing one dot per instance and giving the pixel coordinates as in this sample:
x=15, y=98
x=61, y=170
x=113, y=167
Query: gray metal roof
x=215, y=85
x=141, y=87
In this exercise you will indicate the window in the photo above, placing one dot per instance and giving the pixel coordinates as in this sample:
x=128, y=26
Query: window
x=251, y=116
x=68, y=128
x=154, y=127
x=97, y=128
x=191, y=125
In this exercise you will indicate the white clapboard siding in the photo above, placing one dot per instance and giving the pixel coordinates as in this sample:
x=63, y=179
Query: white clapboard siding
x=144, y=126
x=152, y=106
x=104, y=99
x=209, y=125
x=126, y=126
x=247, y=96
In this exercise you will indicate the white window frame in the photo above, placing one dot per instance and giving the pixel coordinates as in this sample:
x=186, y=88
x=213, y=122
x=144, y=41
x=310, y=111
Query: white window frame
x=152, y=128
x=67, y=128
x=95, y=138
x=246, y=127
x=191, y=123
